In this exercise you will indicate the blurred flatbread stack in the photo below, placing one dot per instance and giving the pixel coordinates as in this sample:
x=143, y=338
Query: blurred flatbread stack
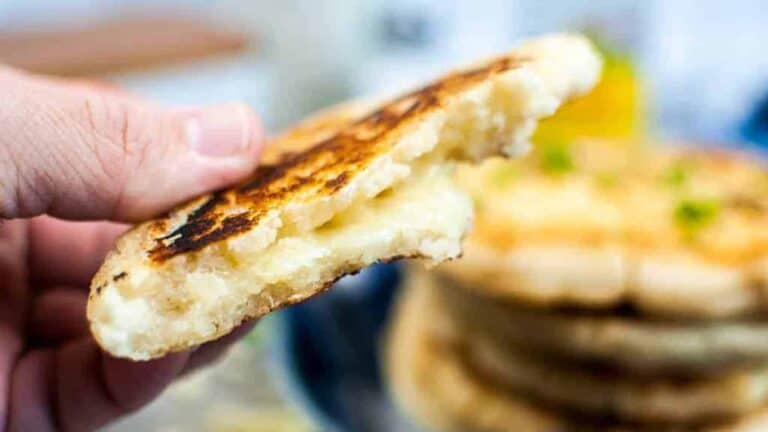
x=605, y=287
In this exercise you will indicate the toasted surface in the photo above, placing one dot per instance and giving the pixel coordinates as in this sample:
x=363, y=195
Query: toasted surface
x=617, y=340
x=433, y=382
x=672, y=231
x=350, y=187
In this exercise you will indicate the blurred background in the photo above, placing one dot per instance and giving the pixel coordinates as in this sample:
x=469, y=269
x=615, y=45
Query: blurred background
x=693, y=67
x=688, y=69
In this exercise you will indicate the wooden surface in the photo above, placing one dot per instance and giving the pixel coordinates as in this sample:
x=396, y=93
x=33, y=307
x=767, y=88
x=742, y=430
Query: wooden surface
x=117, y=46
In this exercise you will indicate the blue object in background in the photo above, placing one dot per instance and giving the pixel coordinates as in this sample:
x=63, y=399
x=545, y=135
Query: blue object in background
x=755, y=128
x=328, y=349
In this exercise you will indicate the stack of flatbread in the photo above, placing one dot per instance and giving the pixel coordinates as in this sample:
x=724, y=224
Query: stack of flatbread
x=605, y=287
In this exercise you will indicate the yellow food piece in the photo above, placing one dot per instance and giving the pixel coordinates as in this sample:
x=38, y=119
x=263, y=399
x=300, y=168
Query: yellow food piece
x=615, y=108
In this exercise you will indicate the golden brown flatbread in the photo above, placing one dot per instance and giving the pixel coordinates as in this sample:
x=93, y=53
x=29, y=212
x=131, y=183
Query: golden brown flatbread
x=349, y=188
x=672, y=231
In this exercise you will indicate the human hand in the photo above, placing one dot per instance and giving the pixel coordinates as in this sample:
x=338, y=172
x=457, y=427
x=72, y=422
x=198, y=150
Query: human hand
x=85, y=152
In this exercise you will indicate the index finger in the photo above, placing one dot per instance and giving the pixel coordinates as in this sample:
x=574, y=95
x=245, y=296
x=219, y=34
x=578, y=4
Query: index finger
x=68, y=253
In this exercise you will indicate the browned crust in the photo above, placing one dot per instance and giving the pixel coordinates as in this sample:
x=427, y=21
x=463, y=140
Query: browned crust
x=322, y=168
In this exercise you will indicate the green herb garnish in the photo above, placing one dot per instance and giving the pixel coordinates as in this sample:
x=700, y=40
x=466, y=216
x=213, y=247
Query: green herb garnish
x=678, y=175
x=556, y=159
x=692, y=215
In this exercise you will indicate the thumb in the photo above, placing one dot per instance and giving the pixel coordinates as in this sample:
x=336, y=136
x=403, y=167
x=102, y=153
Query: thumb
x=84, y=152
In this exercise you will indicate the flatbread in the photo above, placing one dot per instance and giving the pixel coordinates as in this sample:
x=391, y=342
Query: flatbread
x=353, y=188
x=431, y=383
x=616, y=339
x=600, y=394
x=671, y=231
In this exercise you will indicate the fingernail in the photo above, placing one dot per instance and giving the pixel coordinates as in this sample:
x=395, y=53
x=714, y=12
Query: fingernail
x=219, y=130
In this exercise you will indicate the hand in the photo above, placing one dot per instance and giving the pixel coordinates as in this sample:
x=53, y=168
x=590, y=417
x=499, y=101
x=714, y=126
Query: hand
x=86, y=152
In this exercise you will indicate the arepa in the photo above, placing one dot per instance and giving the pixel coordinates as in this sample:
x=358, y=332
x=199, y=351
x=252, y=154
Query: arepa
x=599, y=393
x=433, y=380
x=676, y=231
x=345, y=190
x=616, y=339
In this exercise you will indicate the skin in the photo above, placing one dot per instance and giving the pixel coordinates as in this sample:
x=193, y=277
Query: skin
x=77, y=161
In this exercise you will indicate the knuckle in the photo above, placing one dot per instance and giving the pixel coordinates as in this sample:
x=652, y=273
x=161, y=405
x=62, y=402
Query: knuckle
x=123, y=133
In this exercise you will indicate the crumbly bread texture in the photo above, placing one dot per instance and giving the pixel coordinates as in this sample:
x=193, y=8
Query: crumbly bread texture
x=670, y=230
x=346, y=189
x=621, y=342
x=434, y=383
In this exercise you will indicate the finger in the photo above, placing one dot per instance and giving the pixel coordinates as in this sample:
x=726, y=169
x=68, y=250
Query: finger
x=133, y=384
x=78, y=388
x=91, y=389
x=68, y=253
x=79, y=152
x=58, y=315
x=81, y=388
x=211, y=352
x=10, y=349
x=30, y=408
x=12, y=303
x=13, y=271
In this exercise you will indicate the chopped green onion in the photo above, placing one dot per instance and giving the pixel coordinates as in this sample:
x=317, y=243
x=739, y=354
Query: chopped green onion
x=693, y=215
x=677, y=176
x=556, y=159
